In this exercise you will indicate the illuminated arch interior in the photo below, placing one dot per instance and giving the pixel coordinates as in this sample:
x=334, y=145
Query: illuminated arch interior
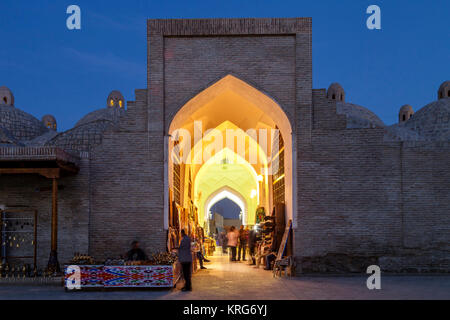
x=237, y=175
x=229, y=104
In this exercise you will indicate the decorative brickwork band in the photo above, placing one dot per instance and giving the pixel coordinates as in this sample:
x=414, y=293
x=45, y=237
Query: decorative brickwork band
x=250, y=26
x=36, y=153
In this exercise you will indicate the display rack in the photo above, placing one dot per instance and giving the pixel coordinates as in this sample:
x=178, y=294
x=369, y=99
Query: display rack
x=18, y=230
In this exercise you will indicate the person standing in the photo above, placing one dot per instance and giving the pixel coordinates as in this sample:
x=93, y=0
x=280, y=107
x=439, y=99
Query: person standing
x=185, y=258
x=243, y=239
x=252, y=238
x=223, y=240
x=232, y=238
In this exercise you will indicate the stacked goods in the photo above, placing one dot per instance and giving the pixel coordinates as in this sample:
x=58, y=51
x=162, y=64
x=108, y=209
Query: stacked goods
x=280, y=223
x=268, y=228
x=81, y=259
x=164, y=258
x=114, y=262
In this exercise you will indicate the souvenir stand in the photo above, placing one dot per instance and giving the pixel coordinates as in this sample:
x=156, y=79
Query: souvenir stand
x=210, y=246
x=265, y=235
x=18, y=242
x=185, y=218
x=162, y=270
x=155, y=273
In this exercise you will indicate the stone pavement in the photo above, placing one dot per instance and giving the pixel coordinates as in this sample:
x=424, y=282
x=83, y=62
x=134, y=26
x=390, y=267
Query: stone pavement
x=237, y=281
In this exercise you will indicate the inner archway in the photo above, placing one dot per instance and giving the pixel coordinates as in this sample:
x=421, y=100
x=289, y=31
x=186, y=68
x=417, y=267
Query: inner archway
x=231, y=208
x=227, y=193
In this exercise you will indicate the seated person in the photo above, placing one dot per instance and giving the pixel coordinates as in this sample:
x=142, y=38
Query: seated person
x=136, y=253
x=269, y=259
x=263, y=251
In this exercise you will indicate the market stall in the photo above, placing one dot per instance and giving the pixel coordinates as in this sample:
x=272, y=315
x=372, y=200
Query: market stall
x=143, y=276
x=120, y=274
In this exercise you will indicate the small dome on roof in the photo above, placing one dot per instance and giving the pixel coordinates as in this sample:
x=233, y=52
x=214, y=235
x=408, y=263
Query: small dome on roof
x=6, y=97
x=444, y=90
x=49, y=121
x=115, y=99
x=336, y=92
x=405, y=113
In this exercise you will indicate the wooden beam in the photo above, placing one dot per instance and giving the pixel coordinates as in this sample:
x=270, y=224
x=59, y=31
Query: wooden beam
x=70, y=168
x=50, y=173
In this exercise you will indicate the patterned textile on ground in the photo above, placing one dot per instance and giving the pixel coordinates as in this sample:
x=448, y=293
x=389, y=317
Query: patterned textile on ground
x=123, y=276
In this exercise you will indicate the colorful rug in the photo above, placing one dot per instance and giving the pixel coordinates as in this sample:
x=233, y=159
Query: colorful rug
x=123, y=276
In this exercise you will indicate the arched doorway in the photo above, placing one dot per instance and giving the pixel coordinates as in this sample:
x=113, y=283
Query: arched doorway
x=228, y=193
x=198, y=149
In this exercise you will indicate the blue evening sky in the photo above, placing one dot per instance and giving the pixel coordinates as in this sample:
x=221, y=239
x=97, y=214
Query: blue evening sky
x=226, y=208
x=70, y=73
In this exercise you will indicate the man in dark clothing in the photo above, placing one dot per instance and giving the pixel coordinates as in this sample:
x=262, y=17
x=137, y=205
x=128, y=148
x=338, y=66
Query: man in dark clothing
x=252, y=238
x=243, y=238
x=185, y=258
x=136, y=253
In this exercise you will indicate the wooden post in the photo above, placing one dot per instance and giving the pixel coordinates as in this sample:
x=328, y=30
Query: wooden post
x=54, y=237
x=53, y=264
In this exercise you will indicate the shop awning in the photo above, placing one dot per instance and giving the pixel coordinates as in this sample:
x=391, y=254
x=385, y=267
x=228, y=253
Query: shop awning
x=50, y=162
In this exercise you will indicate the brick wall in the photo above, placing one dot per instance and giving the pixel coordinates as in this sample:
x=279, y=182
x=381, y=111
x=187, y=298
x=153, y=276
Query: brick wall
x=73, y=210
x=364, y=201
x=126, y=192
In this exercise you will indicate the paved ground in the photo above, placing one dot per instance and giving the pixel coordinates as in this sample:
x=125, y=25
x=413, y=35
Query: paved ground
x=225, y=280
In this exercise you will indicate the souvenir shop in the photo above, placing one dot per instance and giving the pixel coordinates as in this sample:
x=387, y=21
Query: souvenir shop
x=186, y=219
x=271, y=241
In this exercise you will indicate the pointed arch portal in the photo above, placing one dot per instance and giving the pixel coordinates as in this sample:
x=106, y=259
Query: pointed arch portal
x=229, y=193
x=229, y=103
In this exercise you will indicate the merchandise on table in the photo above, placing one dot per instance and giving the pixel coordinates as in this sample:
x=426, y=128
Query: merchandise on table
x=160, y=271
x=101, y=276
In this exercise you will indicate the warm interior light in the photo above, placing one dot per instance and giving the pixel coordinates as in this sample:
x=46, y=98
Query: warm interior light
x=253, y=193
x=120, y=103
x=259, y=178
x=111, y=102
x=279, y=178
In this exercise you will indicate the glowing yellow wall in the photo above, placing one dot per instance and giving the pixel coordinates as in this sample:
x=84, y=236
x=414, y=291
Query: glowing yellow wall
x=238, y=177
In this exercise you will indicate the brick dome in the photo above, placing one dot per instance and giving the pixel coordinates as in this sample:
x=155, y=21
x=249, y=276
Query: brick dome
x=109, y=114
x=357, y=116
x=405, y=113
x=115, y=100
x=336, y=92
x=6, y=97
x=114, y=110
x=49, y=122
x=432, y=122
x=6, y=138
x=444, y=90
x=81, y=137
x=21, y=125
